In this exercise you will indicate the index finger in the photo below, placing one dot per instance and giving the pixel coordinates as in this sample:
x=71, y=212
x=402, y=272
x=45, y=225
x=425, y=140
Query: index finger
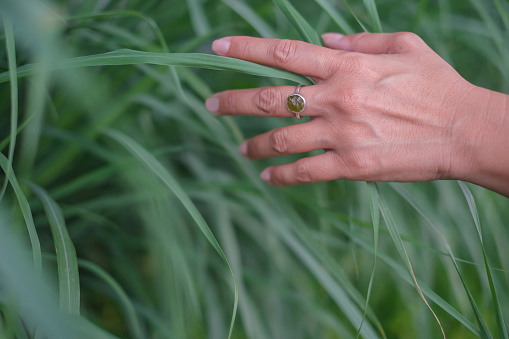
x=291, y=55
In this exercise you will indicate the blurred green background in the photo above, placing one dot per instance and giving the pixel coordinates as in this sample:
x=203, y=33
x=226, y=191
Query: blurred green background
x=129, y=213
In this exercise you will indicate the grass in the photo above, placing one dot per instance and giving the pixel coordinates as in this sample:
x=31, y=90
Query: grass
x=129, y=213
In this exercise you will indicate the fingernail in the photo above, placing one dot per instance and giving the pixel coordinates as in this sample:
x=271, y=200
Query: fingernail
x=332, y=37
x=221, y=46
x=212, y=104
x=265, y=175
x=243, y=149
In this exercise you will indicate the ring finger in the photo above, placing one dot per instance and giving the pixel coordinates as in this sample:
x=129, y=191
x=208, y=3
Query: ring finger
x=264, y=101
x=286, y=140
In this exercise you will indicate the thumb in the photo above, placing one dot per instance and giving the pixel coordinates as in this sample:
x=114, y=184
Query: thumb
x=373, y=43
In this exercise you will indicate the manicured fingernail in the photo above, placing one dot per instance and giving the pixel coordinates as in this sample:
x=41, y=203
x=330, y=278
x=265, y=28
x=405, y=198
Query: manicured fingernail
x=212, y=104
x=332, y=37
x=243, y=149
x=265, y=175
x=221, y=46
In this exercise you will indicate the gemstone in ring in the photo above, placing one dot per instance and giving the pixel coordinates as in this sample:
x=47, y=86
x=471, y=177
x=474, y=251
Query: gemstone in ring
x=296, y=102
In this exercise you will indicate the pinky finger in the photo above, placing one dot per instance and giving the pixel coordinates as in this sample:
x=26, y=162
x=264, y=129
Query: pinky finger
x=322, y=167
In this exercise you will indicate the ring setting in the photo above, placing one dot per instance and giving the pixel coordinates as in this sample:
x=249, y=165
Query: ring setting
x=296, y=102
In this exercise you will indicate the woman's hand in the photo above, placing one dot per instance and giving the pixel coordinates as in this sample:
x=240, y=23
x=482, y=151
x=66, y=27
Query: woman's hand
x=385, y=107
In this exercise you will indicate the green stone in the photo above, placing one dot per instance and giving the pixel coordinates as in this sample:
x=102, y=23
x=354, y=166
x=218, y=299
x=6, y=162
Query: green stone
x=295, y=103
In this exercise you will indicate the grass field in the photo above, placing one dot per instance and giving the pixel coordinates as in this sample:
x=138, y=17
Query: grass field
x=127, y=211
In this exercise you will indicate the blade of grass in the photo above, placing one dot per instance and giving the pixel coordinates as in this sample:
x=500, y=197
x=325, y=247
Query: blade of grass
x=373, y=15
x=400, y=189
x=153, y=25
x=375, y=217
x=131, y=318
x=68, y=275
x=11, y=57
x=131, y=57
x=246, y=13
x=355, y=16
x=199, y=20
x=156, y=168
x=27, y=214
x=335, y=15
x=298, y=22
x=502, y=329
x=393, y=230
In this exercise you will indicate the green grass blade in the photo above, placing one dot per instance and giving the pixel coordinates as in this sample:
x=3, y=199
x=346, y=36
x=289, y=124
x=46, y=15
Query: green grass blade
x=375, y=217
x=199, y=20
x=343, y=25
x=156, y=168
x=11, y=56
x=246, y=13
x=67, y=262
x=502, y=329
x=27, y=215
x=298, y=22
x=403, y=192
x=393, y=230
x=131, y=57
x=131, y=318
x=364, y=28
x=126, y=14
x=373, y=15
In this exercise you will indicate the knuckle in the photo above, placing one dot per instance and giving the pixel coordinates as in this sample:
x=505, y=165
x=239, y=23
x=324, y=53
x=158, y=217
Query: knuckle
x=352, y=63
x=351, y=98
x=328, y=65
x=279, y=141
x=302, y=173
x=276, y=176
x=267, y=100
x=363, y=165
x=404, y=42
x=283, y=51
x=227, y=102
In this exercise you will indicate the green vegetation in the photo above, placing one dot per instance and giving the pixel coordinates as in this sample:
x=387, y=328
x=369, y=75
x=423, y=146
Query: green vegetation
x=127, y=211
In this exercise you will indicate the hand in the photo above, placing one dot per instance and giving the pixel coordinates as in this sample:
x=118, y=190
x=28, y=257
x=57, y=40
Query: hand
x=385, y=107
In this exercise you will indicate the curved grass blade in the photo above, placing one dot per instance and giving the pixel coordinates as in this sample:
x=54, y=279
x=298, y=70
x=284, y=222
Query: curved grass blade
x=11, y=58
x=132, y=57
x=199, y=20
x=355, y=16
x=122, y=14
x=502, y=329
x=400, y=189
x=343, y=25
x=150, y=22
x=391, y=225
x=67, y=262
x=27, y=215
x=375, y=217
x=131, y=318
x=156, y=168
x=245, y=12
x=27, y=289
x=298, y=22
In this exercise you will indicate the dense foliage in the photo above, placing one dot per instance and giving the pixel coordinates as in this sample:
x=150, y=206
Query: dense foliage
x=128, y=211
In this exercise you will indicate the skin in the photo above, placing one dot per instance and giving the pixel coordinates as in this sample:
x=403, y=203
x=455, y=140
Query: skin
x=385, y=107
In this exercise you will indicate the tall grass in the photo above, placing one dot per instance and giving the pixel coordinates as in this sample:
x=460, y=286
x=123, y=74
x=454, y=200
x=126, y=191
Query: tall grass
x=128, y=211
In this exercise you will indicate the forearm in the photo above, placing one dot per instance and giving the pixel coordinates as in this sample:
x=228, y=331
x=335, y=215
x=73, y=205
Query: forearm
x=487, y=141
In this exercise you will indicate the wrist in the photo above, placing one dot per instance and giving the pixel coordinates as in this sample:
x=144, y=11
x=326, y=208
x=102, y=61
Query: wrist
x=482, y=140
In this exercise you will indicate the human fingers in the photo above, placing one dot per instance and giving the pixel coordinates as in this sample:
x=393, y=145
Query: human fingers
x=374, y=43
x=286, y=140
x=322, y=167
x=291, y=55
x=263, y=101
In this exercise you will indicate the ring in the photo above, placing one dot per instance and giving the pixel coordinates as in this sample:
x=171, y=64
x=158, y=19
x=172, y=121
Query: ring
x=296, y=102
